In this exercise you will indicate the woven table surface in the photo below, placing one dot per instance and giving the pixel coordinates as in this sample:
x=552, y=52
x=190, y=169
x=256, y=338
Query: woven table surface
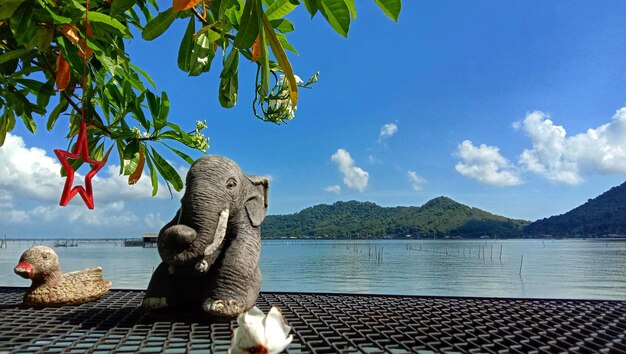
x=325, y=323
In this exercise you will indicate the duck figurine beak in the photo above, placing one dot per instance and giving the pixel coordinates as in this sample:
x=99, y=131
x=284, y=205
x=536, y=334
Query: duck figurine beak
x=24, y=270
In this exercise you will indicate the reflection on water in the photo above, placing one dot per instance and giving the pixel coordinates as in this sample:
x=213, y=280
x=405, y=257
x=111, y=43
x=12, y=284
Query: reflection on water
x=551, y=269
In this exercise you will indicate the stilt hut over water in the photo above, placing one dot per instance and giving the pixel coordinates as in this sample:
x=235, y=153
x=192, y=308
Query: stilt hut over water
x=147, y=240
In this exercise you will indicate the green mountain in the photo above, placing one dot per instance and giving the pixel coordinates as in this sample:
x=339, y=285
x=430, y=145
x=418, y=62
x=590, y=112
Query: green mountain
x=439, y=217
x=605, y=214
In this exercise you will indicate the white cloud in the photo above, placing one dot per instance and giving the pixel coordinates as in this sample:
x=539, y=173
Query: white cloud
x=387, y=131
x=417, y=181
x=31, y=187
x=30, y=172
x=6, y=199
x=333, y=189
x=374, y=160
x=485, y=164
x=154, y=221
x=354, y=177
x=565, y=159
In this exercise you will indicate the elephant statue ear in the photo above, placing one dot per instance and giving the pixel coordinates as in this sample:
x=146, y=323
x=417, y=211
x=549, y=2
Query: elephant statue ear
x=257, y=202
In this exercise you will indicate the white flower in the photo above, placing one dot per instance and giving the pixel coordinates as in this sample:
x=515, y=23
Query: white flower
x=284, y=82
x=200, y=125
x=258, y=333
x=136, y=132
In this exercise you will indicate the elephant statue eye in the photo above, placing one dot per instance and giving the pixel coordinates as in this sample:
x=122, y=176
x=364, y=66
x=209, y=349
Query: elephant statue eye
x=231, y=183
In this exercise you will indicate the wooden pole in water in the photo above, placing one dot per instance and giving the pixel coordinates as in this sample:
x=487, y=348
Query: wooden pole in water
x=500, y=253
x=520, y=265
x=491, y=253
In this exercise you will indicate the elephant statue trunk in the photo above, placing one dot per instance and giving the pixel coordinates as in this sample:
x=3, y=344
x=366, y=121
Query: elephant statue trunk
x=211, y=248
x=180, y=244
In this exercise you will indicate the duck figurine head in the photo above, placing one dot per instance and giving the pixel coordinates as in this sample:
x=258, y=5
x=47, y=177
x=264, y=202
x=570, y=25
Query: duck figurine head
x=50, y=287
x=40, y=264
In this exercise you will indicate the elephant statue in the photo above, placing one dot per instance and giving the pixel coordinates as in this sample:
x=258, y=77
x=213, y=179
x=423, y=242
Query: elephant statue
x=210, y=250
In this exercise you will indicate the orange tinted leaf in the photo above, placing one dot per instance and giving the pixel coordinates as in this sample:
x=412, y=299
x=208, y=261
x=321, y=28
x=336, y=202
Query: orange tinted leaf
x=135, y=176
x=83, y=50
x=106, y=156
x=70, y=32
x=179, y=5
x=256, y=48
x=63, y=73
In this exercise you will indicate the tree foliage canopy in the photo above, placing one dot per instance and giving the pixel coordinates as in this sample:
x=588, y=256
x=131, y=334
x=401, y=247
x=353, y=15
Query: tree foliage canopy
x=437, y=218
x=66, y=59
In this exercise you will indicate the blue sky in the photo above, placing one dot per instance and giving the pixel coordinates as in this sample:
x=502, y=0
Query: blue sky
x=513, y=108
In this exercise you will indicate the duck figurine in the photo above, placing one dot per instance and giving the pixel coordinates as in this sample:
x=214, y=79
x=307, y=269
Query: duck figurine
x=50, y=287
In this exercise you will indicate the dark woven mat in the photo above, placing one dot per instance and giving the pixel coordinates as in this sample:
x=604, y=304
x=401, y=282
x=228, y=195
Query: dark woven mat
x=326, y=323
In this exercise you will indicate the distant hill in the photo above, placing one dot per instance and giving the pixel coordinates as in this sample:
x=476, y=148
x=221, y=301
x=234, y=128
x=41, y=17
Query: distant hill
x=439, y=217
x=605, y=214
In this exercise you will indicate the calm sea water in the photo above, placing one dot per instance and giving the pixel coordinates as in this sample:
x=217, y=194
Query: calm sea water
x=550, y=269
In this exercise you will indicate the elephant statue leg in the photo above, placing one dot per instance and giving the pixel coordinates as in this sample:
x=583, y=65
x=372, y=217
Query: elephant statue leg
x=160, y=289
x=235, y=278
x=175, y=287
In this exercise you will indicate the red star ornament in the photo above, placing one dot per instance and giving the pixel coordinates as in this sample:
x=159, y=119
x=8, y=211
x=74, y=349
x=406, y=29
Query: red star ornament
x=81, y=149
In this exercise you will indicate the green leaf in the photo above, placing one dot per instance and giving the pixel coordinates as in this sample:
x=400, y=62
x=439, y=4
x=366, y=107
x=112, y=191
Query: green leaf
x=201, y=55
x=186, y=46
x=264, y=61
x=58, y=19
x=60, y=108
x=231, y=10
x=153, y=104
x=283, y=41
x=391, y=8
x=209, y=31
x=228, y=90
x=282, y=25
x=249, y=26
x=7, y=122
x=184, y=156
x=131, y=157
x=311, y=7
x=8, y=7
x=135, y=107
x=110, y=22
x=153, y=176
x=29, y=122
x=21, y=19
x=283, y=61
x=158, y=25
x=143, y=73
x=167, y=171
x=14, y=54
x=352, y=8
x=37, y=87
x=42, y=39
x=163, y=111
x=120, y=150
x=231, y=65
x=337, y=14
x=121, y=6
x=280, y=9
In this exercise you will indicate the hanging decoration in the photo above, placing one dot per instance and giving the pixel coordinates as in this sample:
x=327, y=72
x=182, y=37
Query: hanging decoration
x=81, y=148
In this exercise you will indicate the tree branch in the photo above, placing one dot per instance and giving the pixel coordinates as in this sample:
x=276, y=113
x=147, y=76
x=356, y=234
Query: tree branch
x=207, y=23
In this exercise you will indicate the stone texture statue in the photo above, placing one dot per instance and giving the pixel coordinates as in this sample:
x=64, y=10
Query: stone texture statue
x=50, y=287
x=211, y=248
